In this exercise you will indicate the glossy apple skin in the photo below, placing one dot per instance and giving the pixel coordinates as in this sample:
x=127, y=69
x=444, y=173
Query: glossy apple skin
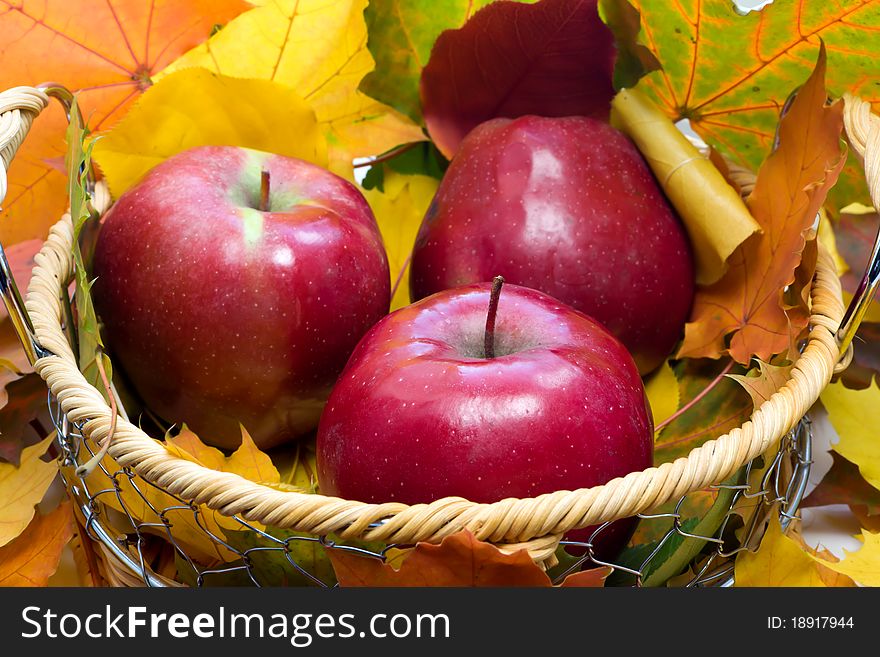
x=569, y=207
x=219, y=313
x=419, y=414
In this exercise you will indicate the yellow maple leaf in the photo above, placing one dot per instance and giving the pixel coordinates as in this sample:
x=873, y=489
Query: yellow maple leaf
x=22, y=487
x=662, y=390
x=780, y=561
x=247, y=461
x=855, y=414
x=195, y=108
x=319, y=49
x=192, y=527
x=863, y=565
x=399, y=210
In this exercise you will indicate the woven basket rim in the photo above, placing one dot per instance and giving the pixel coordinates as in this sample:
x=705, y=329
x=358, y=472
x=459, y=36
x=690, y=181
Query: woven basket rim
x=536, y=523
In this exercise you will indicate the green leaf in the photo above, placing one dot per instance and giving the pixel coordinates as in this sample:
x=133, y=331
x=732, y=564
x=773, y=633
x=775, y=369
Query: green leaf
x=725, y=406
x=420, y=158
x=679, y=550
x=272, y=564
x=229, y=574
x=401, y=34
x=89, y=343
x=634, y=60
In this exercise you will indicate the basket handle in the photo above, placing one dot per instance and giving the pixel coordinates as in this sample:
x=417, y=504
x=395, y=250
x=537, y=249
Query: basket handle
x=19, y=107
x=863, y=133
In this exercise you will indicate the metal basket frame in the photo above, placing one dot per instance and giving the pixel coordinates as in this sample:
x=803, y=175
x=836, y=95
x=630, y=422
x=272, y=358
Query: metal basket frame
x=778, y=492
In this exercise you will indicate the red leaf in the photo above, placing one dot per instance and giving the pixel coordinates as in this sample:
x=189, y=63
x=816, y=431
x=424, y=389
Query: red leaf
x=553, y=58
x=844, y=484
x=26, y=400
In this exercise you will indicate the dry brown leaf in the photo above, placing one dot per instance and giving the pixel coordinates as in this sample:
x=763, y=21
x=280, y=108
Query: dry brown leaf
x=460, y=560
x=747, y=303
x=33, y=557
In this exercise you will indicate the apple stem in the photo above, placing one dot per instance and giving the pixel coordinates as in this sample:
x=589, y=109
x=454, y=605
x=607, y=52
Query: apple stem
x=264, y=191
x=489, y=338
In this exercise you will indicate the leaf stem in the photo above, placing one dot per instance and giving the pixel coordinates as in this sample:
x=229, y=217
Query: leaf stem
x=388, y=155
x=684, y=409
x=400, y=275
x=489, y=337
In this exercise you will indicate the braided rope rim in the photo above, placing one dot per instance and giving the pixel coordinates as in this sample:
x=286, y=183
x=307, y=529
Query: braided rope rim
x=536, y=523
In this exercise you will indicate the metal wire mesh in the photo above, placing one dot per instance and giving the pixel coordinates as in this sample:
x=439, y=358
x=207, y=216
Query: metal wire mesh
x=139, y=527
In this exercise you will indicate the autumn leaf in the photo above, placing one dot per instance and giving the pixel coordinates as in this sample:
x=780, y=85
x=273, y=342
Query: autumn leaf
x=401, y=34
x=107, y=50
x=701, y=513
x=247, y=461
x=272, y=42
x=459, y=560
x=21, y=264
x=22, y=487
x=27, y=397
x=90, y=346
x=191, y=526
x=762, y=382
x=417, y=158
x=747, y=303
x=553, y=58
x=863, y=565
x=711, y=209
x=195, y=108
x=844, y=484
x=272, y=560
x=730, y=74
x=780, y=561
x=297, y=466
x=399, y=210
x=865, y=365
x=720, y=406
x=681, y=550
x=634, y=59
x=855, y=414
x=32, y=558
x=855, y=234
x=662, y=390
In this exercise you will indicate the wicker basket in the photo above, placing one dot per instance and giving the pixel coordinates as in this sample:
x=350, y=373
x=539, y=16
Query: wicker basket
x=535, y=524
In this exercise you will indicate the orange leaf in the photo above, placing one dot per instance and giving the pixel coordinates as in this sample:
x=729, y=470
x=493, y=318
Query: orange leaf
x=792, y=184
x=729, y=74
x=459, y=560
x=33, y=557
x=763, y=381
x=593, y=578
x=105, y=49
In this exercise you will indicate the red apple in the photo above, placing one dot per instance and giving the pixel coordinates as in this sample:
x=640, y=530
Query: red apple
x=569, y=207
x=224, y=308
x=420, y=413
